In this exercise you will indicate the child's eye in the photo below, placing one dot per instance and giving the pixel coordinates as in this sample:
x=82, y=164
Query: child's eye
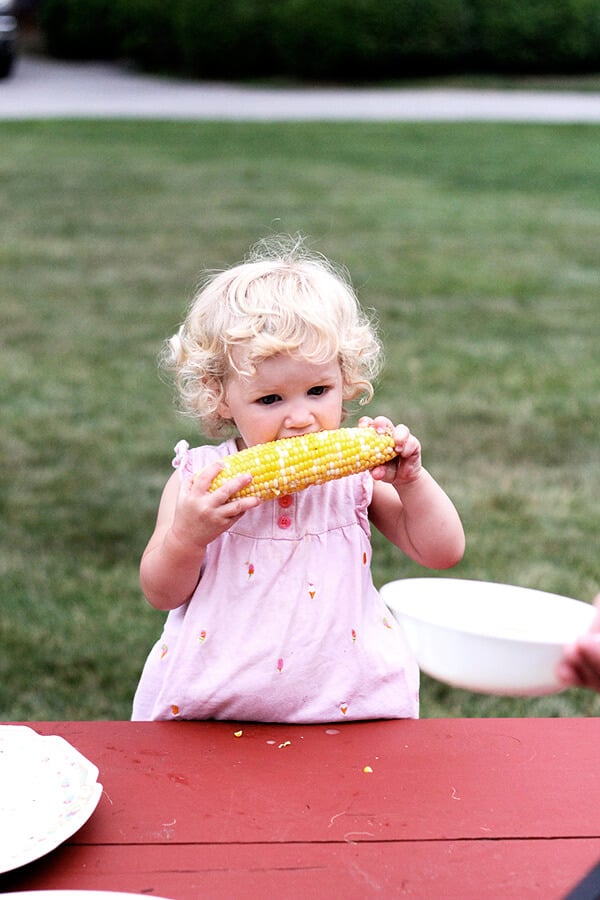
x=269, y=399
x=318, y=390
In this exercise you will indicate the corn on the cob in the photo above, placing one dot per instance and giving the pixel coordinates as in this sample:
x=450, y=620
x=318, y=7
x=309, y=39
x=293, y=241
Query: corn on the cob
x=292, y=464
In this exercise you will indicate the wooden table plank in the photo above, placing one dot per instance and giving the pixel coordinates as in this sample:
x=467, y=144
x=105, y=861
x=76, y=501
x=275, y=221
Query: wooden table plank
x=457, y=808
x=458, y=870
x=432, y=779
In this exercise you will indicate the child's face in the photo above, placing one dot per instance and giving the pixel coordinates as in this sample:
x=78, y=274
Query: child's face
x=286, y=396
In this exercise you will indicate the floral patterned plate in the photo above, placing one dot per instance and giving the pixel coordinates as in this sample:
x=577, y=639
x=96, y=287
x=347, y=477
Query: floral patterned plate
x=48, y=790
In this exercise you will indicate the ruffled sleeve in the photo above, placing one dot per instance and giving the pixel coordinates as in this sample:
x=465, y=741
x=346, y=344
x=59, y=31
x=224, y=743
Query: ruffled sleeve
x=183, y=460
x=190, y=461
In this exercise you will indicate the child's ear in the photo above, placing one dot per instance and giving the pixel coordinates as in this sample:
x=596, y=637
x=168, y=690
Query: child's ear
x=223, y=406
x=223, y=409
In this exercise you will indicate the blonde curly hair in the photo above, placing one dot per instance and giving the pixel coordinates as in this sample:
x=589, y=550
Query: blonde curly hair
x=281, y=299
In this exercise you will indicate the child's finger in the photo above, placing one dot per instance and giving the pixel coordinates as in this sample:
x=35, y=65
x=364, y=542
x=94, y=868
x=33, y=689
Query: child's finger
x=202, y=480
x=223, y=494
x=380, y=423
x=401, y=435
x=226, y=491
x=233, y=509
x=408, y=446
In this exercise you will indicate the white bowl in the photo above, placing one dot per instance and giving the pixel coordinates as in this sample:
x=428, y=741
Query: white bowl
x=487, y=637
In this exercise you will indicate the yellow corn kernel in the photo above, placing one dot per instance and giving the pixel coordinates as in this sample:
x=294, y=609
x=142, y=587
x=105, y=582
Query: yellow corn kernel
x=292, y=464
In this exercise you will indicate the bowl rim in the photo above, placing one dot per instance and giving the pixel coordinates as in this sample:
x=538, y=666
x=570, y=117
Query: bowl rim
x=463, y=629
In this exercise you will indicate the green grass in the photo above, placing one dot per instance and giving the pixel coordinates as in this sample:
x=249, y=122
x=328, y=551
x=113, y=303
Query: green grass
x=476, y=244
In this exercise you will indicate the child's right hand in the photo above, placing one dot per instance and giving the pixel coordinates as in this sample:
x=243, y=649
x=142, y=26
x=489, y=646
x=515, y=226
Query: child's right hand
x=200, y=515
x=189, y=518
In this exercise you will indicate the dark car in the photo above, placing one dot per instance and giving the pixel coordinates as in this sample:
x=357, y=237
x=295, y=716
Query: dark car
x=8, y=37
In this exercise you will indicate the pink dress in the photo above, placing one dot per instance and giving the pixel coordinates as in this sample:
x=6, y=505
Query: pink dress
x=285, y=624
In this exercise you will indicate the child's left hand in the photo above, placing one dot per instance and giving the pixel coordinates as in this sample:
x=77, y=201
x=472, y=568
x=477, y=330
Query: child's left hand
x=409, y=507
x=404, y=468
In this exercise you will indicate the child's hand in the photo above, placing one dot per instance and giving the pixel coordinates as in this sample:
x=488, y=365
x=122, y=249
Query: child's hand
x=201, y=516
x=580, y=665
x=404, y=468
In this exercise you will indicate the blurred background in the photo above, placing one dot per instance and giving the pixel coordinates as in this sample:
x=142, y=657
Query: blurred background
x=476, y=244
x=335, y=40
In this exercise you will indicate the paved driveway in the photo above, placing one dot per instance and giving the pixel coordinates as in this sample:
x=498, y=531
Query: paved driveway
x=42, y=88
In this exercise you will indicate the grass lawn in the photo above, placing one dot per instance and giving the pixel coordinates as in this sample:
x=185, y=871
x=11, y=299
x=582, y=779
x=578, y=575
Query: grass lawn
x=476, y=244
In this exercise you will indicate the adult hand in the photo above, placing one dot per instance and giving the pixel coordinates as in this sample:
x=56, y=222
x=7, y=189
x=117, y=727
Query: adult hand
x=580, y=665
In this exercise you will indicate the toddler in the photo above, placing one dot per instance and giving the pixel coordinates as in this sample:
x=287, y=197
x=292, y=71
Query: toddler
x=272, y=612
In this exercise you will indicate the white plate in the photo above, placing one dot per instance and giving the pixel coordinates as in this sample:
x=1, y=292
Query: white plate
x=77, y=895
x=487, y=637
x=48, y=790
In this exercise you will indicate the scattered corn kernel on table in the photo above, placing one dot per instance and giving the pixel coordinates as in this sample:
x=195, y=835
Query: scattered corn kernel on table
x=456, y=808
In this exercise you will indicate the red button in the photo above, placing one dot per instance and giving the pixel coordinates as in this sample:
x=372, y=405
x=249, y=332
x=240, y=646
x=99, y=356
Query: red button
x=284, y=521
x=286, y=501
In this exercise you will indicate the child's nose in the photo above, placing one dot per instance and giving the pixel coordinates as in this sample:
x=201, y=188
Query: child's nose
x=299, y=416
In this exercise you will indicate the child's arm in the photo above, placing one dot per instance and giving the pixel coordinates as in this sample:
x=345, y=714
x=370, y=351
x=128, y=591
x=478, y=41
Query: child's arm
x=189, y=518
x=410, y=508
x=580, y=665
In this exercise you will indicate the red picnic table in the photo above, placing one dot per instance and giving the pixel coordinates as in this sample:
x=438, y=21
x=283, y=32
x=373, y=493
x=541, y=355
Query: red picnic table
x=453, y=808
